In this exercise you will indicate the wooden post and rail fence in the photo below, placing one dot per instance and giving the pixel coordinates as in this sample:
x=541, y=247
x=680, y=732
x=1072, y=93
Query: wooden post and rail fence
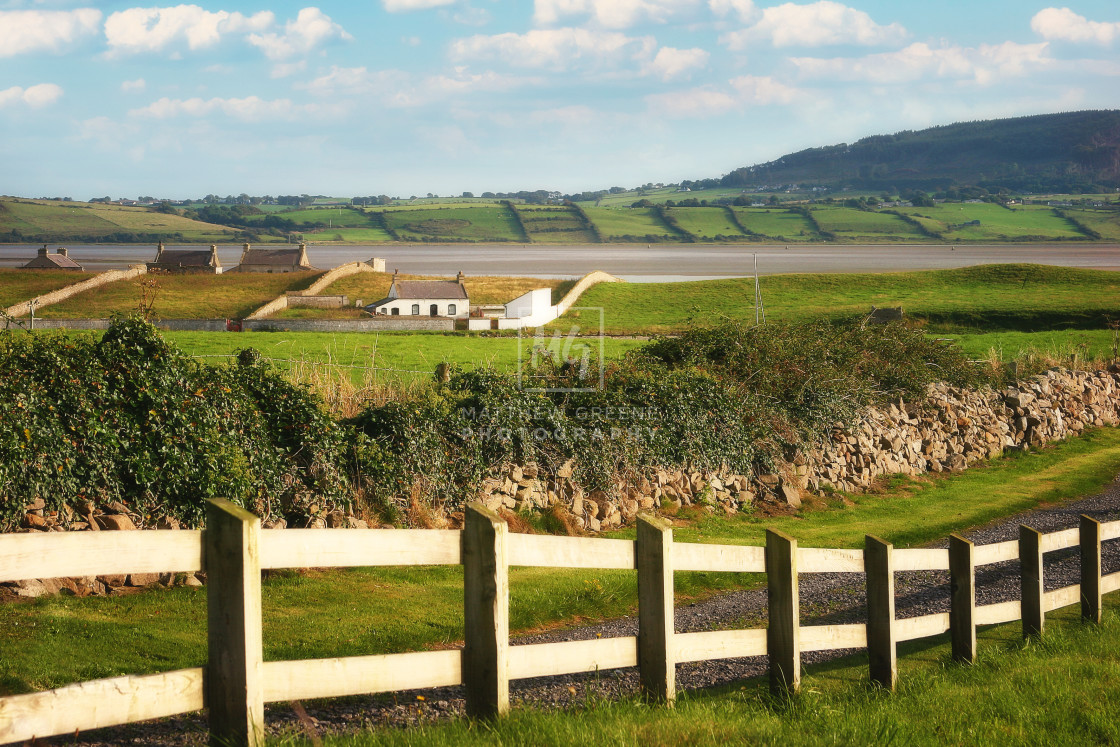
x=236, y=682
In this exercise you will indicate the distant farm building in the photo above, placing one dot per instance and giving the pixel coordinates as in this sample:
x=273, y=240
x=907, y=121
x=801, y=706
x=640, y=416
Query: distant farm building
x=274, y=260
x=424, y=298
x=57, y=261
x=202, y=261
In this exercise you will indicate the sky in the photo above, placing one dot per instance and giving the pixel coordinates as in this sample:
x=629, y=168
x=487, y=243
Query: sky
x=410, y=97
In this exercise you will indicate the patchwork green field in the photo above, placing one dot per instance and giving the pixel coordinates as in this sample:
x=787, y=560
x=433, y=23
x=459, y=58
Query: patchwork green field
x=630, y=224
x=996, y=223
x=1104, y=222
x=65, y=221
x=707, y=223
x=777, y=223
x=864, y=226
x=990, y=297
x=554, y=224
x=228, y=296
x=468, y=223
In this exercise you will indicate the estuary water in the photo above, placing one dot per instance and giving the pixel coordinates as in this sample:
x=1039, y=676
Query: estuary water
x=636, y=263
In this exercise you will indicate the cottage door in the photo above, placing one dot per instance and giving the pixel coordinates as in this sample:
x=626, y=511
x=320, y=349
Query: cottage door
x=433, y=310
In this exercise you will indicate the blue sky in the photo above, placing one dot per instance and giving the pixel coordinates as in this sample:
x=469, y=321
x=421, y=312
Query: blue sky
x=407, y=97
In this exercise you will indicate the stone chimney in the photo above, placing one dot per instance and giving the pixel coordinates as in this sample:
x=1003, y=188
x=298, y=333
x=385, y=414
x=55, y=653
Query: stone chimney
x=64, y=251
x=214, y=261
x=159, y=251
x=43, y=251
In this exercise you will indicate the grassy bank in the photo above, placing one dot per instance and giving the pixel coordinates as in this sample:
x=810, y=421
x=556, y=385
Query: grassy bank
x=50, y=642
x=986, y=297
x=1058, y=691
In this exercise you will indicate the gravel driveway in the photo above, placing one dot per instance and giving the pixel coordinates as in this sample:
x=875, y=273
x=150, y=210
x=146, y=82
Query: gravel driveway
x=825, y=598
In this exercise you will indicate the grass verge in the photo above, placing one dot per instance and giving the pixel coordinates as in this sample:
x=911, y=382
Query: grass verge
x=54, y=641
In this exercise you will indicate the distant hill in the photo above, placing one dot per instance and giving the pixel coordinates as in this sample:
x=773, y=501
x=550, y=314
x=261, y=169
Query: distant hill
x=1073, y=152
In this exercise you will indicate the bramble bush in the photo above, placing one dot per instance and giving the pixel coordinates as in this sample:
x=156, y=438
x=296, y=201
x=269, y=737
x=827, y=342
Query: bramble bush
x=131, y=419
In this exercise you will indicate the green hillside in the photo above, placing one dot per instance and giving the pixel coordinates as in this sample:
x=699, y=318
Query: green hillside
x=51, y=221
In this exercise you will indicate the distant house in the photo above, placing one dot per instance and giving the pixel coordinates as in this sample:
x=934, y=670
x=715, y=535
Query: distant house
x=202, y=261
x=274, y=260
x=424, y=298
x=58, y=261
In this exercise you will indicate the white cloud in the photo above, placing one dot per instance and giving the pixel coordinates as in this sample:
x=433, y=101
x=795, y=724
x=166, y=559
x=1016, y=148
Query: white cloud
x=310, y=28
x=557, y=49
x=671, y=63
x=611, y=14
x=815, y=25
x=23, y=31
x=249, y=109
x=984, y=64
x=1062, y=24
x=403, y=6
x=763, y=90
x=707, y=101
x=396, y=89
x=35, y=97
x=744, y=10
x=130, y=86
x=155, y=29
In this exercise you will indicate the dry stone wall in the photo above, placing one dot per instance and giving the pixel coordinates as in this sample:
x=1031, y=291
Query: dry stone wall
x=949, y=430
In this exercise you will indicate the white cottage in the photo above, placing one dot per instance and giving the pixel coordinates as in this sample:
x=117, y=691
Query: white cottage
x=447, y=298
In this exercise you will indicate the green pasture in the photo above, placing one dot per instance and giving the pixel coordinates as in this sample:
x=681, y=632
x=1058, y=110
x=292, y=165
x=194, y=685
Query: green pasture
x=629, y=224
x=230, y=295
x=554, y=224
x=64, y=220
x=706, y=223
x=371, y=235
x=1062, y=346
x=17, y=286
x=777, y=223
x=53, y=641
x=470, y=223
x=1058, y=690
x=989, y=297
x=345, y=217
x=849, y=224
x=997, y=223
x=1104, y=222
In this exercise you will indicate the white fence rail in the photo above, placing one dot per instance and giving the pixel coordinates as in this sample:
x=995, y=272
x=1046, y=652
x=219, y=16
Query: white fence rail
x=236, y=682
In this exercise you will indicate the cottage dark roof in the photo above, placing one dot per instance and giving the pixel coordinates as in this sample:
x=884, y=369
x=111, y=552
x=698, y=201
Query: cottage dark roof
x=430, y=289
x=275, y=257
x=184, y=258
x=52, y=262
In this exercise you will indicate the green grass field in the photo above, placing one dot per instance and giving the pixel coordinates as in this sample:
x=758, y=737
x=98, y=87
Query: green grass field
x=64, y=220
x=53, y=641
x=849, y=224
x=231, y=295
x=17, y=286
x=706, y=223
x=1104, y=222
x=989, y=297
x=554, y=224
x=629, y=224
x=466, y=223
x=777, y=223
x=1036, y=222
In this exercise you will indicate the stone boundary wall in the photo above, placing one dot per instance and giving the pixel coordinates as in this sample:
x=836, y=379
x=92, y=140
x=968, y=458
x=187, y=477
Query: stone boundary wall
x=297, y=301
x=588, y=280
x=47, y=299
x=949, y=430
x=342, y=271
x=388, y=324
x=172, y=325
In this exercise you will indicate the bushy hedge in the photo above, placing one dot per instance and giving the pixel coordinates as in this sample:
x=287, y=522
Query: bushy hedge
x=130, y=418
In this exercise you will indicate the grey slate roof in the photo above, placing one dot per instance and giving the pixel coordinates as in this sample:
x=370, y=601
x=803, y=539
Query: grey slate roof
x=421, y=289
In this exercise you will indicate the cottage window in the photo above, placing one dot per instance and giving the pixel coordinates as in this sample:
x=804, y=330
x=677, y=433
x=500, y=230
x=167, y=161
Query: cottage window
x=395, y=311
x=416, y=309
x=451, y=309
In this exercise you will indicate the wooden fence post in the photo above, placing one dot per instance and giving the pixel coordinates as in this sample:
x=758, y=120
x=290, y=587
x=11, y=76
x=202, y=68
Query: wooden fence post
x=962, y=600
x=1090, y=569
x=1031, y=582
x=881, y=651
x=783, y=628
x=653, y=555
x=234, y=686
x=485, y=613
